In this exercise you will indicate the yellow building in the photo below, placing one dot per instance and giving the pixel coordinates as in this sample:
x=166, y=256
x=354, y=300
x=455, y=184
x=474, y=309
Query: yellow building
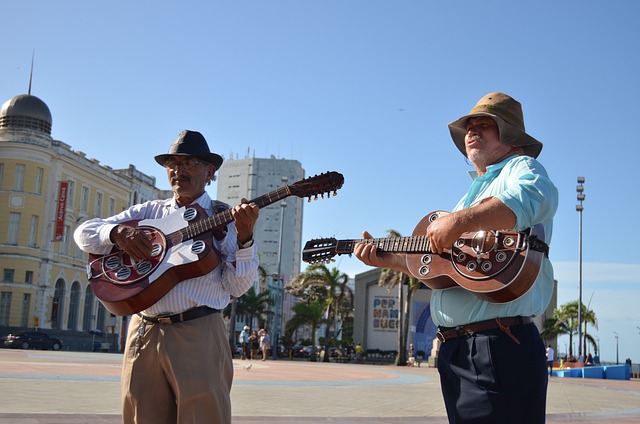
x=46, y=190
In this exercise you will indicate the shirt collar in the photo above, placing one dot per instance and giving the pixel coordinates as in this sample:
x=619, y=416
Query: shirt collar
x=203, y=201
x=491, y=169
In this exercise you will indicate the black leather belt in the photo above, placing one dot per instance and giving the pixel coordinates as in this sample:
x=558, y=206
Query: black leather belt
x=190, y=314
x=445, y=333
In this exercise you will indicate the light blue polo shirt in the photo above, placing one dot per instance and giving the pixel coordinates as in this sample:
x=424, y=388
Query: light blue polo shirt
x=522, y=184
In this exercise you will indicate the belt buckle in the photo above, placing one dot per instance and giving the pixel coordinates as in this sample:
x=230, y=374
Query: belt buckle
x=440, y=336
x=165, y=320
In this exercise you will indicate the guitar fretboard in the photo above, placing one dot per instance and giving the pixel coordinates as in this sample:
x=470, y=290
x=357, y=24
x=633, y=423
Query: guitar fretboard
x=409, y=244
x=223, y=218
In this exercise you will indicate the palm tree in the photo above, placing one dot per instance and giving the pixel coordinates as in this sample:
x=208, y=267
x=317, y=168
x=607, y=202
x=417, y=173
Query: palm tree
x=327, y=286
x=311, y=314
x=390, y=279
x=231, y=309
x=255, y=305
x=565, y=322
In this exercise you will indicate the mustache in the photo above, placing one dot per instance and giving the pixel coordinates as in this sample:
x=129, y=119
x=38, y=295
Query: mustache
x=182, y=178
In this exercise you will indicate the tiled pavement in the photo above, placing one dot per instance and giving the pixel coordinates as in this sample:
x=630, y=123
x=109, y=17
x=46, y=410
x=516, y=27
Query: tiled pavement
x=39, y=387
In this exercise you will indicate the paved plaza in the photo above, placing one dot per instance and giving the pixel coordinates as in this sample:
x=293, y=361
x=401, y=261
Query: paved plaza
x=83, y=388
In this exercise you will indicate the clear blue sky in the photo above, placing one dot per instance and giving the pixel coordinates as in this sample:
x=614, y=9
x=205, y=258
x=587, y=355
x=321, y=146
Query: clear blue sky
x=366, y=88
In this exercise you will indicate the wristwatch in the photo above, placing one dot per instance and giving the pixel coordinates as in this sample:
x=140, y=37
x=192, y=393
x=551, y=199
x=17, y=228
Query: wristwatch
x=246, y=244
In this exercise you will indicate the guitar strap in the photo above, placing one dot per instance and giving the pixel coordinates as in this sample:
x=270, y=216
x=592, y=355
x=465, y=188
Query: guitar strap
x=538, y=245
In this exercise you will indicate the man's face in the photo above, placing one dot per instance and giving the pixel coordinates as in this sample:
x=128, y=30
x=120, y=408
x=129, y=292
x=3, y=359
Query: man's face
x=188, y=176
x=482, y=142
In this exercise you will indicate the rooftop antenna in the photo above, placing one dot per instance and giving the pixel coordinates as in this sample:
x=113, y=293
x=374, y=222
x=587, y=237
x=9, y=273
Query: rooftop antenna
x=31, y=71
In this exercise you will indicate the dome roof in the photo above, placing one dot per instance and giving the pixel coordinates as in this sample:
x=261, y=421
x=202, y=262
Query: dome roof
x=26, y=111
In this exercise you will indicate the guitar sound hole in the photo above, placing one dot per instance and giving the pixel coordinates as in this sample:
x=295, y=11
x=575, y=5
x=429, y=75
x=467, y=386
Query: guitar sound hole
x=426, y=259
x=189, y=214
x=509, y=241
x=460, y=243
x=424, y=270
x=486, y=266
x=123, y=273
x=112, y=262
x=157, y=249
x=501, y=257
x=461, y=257
x=143, y=267
x=198, y=247
x=471, y=266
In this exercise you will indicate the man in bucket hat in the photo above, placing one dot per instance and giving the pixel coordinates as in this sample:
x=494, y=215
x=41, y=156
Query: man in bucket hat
x=177, y=363
x=492, y=360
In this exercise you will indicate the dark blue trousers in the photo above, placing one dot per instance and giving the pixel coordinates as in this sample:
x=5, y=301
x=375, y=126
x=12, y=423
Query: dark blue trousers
x=489, y=378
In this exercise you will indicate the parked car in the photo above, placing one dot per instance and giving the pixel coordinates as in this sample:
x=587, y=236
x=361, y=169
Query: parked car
x=300, y=351
x=32, y=340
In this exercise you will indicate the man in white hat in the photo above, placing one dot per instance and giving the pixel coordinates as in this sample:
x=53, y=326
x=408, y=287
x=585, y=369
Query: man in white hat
x=177, y=364
x=492, y=359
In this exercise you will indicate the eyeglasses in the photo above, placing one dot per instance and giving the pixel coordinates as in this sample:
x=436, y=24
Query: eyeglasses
x=188, y=164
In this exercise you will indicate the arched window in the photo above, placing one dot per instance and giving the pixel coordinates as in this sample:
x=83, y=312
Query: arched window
x=74, y=306
x=100, y=317
x=87, y=312
x=57, y=307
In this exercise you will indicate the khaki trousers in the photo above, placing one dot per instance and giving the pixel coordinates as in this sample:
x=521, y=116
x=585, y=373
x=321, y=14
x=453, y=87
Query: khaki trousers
x=182, y=373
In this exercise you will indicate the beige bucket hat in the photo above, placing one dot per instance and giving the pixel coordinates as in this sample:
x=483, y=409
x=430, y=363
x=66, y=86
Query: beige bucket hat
x=507, y=112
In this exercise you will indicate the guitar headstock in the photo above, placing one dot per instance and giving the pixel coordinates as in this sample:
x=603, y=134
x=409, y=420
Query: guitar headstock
x=320, y=250
x=327, y=182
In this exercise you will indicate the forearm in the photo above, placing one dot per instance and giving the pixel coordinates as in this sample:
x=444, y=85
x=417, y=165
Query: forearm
x=491, y=214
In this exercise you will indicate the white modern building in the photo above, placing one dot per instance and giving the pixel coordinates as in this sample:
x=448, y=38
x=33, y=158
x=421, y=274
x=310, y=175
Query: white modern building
x=278, y=232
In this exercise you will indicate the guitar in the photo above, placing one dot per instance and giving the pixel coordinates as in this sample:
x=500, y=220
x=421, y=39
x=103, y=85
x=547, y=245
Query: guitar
x=497, y=266
x=182, y=249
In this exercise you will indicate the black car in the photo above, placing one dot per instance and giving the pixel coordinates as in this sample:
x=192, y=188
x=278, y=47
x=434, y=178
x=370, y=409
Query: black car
x=32, y=340
x=301, y=351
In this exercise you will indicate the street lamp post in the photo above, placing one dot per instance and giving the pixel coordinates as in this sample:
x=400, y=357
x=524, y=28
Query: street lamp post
x=280, y=280
x=579, y=208
x=617, y=359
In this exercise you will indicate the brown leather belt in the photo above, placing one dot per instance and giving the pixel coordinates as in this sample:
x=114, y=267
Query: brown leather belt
x=445, y=333
x=190, y=314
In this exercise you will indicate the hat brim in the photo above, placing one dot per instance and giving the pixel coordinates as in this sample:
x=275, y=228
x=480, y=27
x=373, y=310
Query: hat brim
x=509, y=134
x=212, y=158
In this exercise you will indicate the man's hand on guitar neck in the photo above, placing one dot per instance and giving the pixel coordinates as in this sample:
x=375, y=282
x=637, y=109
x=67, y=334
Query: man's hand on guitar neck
x=368, y=254
x=133, y=241
x=245, y=215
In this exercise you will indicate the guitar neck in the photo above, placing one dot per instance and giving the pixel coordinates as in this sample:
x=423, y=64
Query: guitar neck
x=225, y=217
x=409, y=244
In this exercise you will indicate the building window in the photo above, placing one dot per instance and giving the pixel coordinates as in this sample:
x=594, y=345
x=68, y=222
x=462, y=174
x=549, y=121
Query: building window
x=28, y=277
x=18, y=183
x=64, y=244
x=84, y=199
x=101, y=322
x=112, y=207
x=33, y=230
x=14, y=228
x=98, y=206
x=26, y=306
x=39, y=177
x=74, y=305
x=87, y=313
x=8, y=274
x=5, y=308
x=71, y=191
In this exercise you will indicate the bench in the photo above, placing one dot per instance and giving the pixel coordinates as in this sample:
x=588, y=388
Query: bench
x=342, y=359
